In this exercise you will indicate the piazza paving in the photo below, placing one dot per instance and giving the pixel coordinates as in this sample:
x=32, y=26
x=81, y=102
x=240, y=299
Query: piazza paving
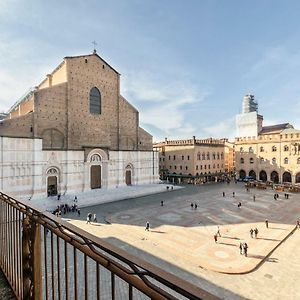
x=181, y=238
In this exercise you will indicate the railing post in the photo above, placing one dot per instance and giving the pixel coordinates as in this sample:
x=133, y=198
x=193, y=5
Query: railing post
x=31, y=253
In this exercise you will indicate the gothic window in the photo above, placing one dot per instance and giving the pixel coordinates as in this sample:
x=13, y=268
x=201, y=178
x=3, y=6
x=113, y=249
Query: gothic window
x=203, y=156
x=222, y=155
x=286, y=148
x=273, y=160
x=241, y=149
x=208, y=156
x=180, y=167
x=196, y=167
x=218, y=155
x=95, y=101
x=262, y=149
x=241, y=160
x=214, y=155
x=198, y=156
x=182, y=157
x=274, y=149
x=251, y=160
x=250, y=150
x=186, y=167
x=174, y=157
x=188, y=157
x=286, y=160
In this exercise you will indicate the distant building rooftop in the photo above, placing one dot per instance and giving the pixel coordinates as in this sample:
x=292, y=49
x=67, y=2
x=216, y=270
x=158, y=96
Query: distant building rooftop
x=273, y=129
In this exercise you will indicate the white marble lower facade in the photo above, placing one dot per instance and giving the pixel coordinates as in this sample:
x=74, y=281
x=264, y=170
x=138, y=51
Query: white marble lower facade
x=28, y=170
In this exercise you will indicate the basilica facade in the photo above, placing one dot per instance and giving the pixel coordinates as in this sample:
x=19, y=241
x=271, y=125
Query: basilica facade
x=74, y=132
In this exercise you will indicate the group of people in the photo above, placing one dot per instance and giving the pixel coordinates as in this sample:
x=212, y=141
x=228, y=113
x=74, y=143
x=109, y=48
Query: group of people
x=254, y=231
x=65, y=208
x=194, y=206
x=89, y=218
x=244, y=248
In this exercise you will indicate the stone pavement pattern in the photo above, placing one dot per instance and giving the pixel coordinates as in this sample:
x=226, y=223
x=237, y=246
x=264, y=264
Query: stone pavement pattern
x=181, y=238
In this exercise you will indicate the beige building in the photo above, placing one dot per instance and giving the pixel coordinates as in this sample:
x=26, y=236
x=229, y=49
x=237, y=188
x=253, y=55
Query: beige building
x=200, y=159
x=271, y=154
x=75, y=132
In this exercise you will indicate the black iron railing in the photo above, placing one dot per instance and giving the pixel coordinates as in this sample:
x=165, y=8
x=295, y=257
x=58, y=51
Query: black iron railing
x=44, y=257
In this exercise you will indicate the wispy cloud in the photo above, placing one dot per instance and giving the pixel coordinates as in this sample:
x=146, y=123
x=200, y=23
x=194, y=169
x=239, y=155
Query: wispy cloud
x=166, y=103
x=224, y=128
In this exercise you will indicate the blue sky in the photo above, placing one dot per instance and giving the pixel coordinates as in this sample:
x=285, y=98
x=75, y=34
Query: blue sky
x=185, y=65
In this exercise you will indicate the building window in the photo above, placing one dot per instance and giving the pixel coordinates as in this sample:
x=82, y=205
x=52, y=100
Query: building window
x=241, y=149
x=250, y=150
x=214, y=166
x=261, y=149
x=218, y=166
x=214, y=156
x=180, y=167
x=218, y=155
x=286, y=148
x=175, y=167
x=207, y=156
x=174, y=157
x=198, y=156
x=261, y=160
x=209, y=166
x=286, y=160
x=188, y=157
x=170, y=167
x=182, y=157
x=186, y=167
x=251, y=160
x=273, y=160
x=169, y=157
x=203, y=156
x=241, y=160
x=197, y=168
x=201, y=167
x=205, y=167
x=222, y=155
x=274, y=149
x=95, y=101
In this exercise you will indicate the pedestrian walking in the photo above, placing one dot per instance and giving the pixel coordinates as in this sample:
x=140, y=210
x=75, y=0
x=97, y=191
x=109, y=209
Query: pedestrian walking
x=88, y=218
x=253, y=198
x=216, y=238
x=287, y=196
x=239, y=205
x=75, y=199
x=218, y=232
x=245, y=249
x=256, y=232
x=196, y=205
x=241, y=248
x=267, y=223
x=223, y=194
x=95, y=218
x=147, y=226
x=275, y=197
x=78, y=211
x=251, y=232
x=192, y=205
x=233, y=194
x=161, y=203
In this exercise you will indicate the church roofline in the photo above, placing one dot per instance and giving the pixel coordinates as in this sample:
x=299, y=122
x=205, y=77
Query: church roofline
x=87, y=55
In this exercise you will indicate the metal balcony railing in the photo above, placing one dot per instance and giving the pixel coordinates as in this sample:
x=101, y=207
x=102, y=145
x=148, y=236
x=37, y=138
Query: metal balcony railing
x=44, y=257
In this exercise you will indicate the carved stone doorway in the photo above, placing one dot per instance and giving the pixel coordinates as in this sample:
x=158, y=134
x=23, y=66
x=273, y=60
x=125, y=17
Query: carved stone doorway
x=95, y=177
x=51, y=186
x=128, y=177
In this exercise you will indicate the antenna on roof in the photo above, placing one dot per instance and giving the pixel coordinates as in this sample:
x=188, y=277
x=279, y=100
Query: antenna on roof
x=95, y=44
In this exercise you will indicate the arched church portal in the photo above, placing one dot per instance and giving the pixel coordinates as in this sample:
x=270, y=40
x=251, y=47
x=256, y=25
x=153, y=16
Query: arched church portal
x=128, y=175
x=96, y=171
x=52, y=182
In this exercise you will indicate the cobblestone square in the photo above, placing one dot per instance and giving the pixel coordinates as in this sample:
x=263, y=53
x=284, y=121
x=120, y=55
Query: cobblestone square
x=181, y=238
